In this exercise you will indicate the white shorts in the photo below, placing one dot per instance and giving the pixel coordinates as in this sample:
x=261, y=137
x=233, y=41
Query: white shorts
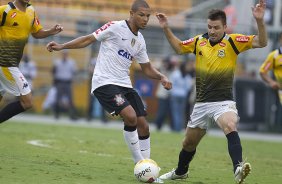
x=13, y=81
x=205, y=113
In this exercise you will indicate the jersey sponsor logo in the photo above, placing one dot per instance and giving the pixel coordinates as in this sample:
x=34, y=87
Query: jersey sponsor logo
x=125, y=54
x=242, y=39
x=14, y=14
x=222, y=44
x=104, y=27
x=187, y=42
x=203, y=43
x=221, y=53
x=119, y=100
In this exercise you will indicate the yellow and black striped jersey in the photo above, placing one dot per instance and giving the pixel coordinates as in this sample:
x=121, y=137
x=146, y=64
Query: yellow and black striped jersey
x=215, y=64
x=14, y=32
x=274, y=62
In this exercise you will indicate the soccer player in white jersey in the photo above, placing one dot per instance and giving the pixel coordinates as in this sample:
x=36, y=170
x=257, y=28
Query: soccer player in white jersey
x=121, y=43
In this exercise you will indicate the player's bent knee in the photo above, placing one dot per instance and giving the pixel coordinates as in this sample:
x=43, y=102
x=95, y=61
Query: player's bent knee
x=189, y=145
x=27, y=104
x=230, y=127
x=130, y=120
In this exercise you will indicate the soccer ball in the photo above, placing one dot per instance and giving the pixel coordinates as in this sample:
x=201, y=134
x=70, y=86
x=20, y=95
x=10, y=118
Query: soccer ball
x=146, y=170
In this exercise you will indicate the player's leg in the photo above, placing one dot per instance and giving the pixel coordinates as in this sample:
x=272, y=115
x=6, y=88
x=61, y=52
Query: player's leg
x=192, y=139
x=195, y=131
x=130, y=132
x=227, y=121
x=112, y=100
x=144, y=136
x=142, y=124
x=15, y=83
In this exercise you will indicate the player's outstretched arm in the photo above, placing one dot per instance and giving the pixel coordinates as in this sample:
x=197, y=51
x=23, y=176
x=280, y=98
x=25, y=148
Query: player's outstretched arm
x=77, y=43
x=43, y=33
x=272, y=83
x=258, y=12
x=151, y=72
x=172, y=39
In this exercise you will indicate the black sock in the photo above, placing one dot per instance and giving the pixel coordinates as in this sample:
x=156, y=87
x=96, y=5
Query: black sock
x=234, y=148
x=10, y=110
x=184, y=161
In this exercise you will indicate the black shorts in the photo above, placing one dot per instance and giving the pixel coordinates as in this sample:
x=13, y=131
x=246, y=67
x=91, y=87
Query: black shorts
x=114, y=98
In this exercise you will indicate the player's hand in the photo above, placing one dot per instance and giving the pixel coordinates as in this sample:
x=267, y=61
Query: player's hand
x=51, y=46
x=259, y=9
x=275, y=85
x=162, y=19
x=56, y=29
x=166, y=83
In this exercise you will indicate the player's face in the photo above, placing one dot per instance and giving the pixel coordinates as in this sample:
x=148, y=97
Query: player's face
x=141, y=17
x=23, y=1
x=216, y=30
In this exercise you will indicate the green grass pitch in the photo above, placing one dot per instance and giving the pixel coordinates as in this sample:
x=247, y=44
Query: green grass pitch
x=66, y=154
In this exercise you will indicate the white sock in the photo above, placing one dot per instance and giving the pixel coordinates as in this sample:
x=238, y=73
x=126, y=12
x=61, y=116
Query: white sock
x=145, y=147
x=132, y=141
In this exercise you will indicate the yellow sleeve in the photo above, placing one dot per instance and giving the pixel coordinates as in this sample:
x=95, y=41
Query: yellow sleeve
x=188, y=46
x=268, y=63
x=242, y=42
x=36, y=25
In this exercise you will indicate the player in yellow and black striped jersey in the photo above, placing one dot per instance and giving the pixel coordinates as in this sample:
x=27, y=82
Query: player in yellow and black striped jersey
x=18, y=20
x=216, y=54
x=273, y=63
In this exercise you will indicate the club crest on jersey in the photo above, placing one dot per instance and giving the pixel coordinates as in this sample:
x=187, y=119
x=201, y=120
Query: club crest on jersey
x=133, y=41
x=221, y=53
x=119, y=100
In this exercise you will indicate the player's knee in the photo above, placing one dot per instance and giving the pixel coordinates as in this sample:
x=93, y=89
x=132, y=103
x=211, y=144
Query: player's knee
x=230, y=127
x=26, y=104
x=189, y=145
x=130, y=119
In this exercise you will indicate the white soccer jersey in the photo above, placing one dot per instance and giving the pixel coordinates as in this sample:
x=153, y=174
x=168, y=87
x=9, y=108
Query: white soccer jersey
x=119, y=47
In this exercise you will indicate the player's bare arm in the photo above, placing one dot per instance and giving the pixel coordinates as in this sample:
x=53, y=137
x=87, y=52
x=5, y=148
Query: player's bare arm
x=43, y=33
x=155, y=74
x=272, y=83
x=172, y=39
x=258, y=12
x=77, y=43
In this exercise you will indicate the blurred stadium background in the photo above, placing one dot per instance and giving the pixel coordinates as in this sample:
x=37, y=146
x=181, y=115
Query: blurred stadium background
x=255, y=101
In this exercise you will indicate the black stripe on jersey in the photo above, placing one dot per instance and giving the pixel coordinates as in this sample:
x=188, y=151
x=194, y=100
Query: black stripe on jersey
x=280, y=50
x=6, y=12
x=195, y=45
x=3, y=18
x=233, y=46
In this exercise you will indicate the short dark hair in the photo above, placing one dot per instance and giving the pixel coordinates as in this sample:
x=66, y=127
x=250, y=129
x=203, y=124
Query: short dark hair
x=139, y=3
x=217, y=14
